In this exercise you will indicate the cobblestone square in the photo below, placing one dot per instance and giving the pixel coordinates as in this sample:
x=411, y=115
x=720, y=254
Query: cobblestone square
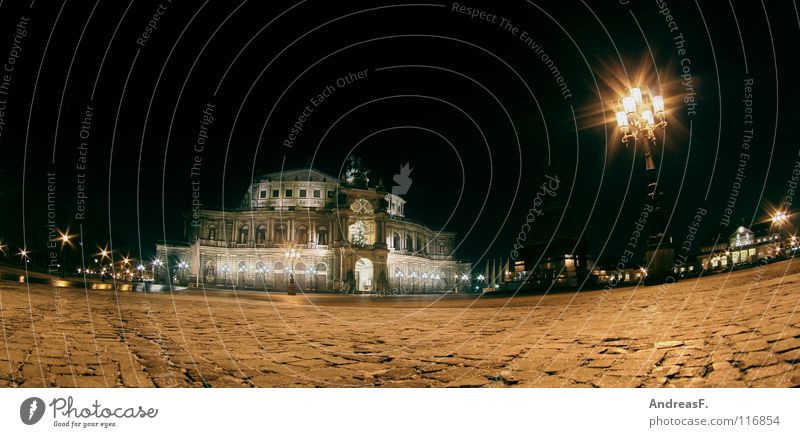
x=727, y=330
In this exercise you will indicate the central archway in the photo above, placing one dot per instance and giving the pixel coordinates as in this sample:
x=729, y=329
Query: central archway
x=364, y=272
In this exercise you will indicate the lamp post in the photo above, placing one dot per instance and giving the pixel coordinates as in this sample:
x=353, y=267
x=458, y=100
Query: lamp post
x=64, y=237
x=778, y=219
x=156, y=264
x=225, y=271
x=310, y=272
x=182, y=267
x=291, y=257
x=640, y=116
x=23, y=255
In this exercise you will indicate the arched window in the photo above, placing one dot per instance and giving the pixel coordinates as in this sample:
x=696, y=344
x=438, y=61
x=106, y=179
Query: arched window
x=321, y=268
x=396, y=240
x=244, y=233
x=278, y=266
x=212, y=232
x=280, y=233
x=301, y=235
x=261, y=234
x=322, y=235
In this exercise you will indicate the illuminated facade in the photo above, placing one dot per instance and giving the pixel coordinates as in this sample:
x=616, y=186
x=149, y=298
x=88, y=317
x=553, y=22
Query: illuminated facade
x=745, y=246
x=306, y=230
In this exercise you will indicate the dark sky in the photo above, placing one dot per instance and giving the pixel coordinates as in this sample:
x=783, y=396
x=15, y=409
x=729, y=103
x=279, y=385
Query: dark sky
x=471, y=107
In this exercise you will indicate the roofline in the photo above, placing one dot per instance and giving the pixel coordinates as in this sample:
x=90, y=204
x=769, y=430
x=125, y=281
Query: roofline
x=278, y=174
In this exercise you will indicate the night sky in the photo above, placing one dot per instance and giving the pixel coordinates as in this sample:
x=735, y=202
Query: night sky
x=466, y=101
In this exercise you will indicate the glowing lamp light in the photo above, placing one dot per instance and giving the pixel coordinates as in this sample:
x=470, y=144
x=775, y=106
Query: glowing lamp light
x=622, y=119
x=629, y=105
x=658, y=104
x=647, y=116
x=636, y=93
x=779, y=217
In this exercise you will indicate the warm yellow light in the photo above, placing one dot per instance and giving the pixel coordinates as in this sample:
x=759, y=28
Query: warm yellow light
x=628, y=104
x=648, y=117
x=622, y=119
x=779, y=217
x=636, y=93
x=658, y=104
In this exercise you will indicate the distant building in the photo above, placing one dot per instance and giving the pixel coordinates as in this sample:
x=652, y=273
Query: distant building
x=556, y=257
x=745, y=247
x=552, y=256
x=304, y=229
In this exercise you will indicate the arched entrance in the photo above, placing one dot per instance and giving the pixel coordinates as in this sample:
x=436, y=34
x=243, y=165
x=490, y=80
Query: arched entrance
x=321, y=277
x=300, y=276
x=279, y=276
x=363, y=273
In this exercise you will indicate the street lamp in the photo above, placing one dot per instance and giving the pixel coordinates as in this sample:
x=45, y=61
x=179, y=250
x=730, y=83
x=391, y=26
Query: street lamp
x=225, y=271
x=64, y=237
x=778, y=219
x=156, y=264
x=311, y=271
x=638, y=118
x=291, y=257
x=23, y=255
x=640, y=114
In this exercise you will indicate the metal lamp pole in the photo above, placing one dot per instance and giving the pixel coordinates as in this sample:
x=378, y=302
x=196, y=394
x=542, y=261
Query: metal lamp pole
x=640, y=116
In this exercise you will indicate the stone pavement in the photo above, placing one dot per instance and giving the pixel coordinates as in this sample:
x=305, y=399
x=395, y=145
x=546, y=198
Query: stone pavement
x=726, y=330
